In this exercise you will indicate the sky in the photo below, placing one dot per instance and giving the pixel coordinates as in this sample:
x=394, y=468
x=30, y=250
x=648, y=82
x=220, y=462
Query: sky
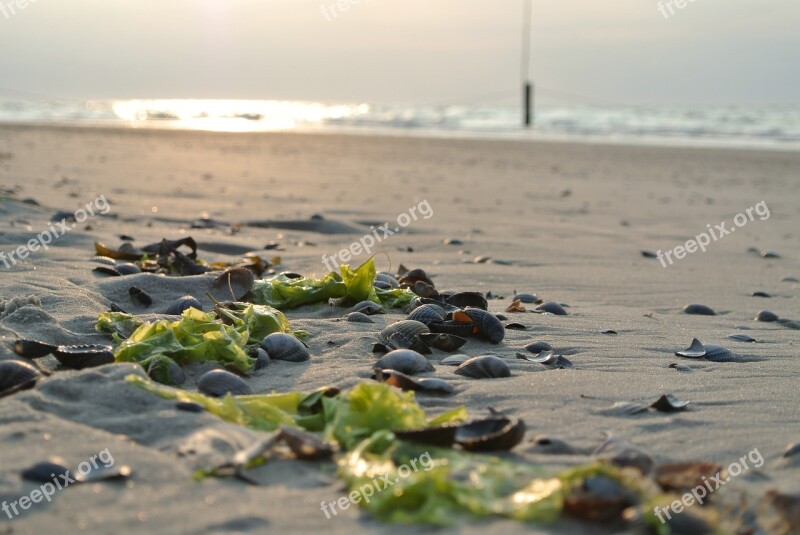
x=403, y=51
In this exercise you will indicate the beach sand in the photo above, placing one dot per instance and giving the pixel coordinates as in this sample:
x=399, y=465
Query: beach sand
x=566, y=221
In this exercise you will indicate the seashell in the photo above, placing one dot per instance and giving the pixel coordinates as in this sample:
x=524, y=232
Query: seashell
x=717, y=353
x=649, y=254
x=424, y=289
x=791, y=450
x=695, y=351
x=767, y=316
x=107, y=270
x=769, y=254
x=139, y=296
x=598, y=499
x=261, y=357
x=16, y=375
x=491, y=434
x=189, y=406
x=404, y=334
x=516, y=327
x=488, y=326
x=552, y=308
x=46, y=471
x=669, y=403
x=455, y=360
x=481, y=259
x=484, y=367
x=369, y=308
x=442, y=341
x=105, y=260
x=468, y=299
x=528, y=299
x=552, y=446
x=516, y=306
x=385, y=277
x=181, y=304
x=740, y=337
x=427, y=314
x=790, y=279
x=609, y=331
x=382, y=285
x=359, y=317
x=547, y=358
x=104, y=473
x=282, y=346
x=84, y=356
x=538, y=347
x=700, y=310
x=443, y=437
x=623, y=454
x=453, y=327
x=453, y=241
x=411, y=277
x=680, y=367
x=126, y=268
x=233, y=284
x=761, y=294
x=306, y=446
x=404, y=361
x=684, y=476
x=623, y=408
x=405, y=382
x=219, y=383
x=32, y=349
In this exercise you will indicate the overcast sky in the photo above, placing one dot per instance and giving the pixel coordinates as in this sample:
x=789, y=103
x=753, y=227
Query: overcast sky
x=711, y=51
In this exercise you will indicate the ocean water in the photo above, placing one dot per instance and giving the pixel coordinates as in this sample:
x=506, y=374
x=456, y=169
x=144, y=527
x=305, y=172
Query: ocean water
x=773, y=127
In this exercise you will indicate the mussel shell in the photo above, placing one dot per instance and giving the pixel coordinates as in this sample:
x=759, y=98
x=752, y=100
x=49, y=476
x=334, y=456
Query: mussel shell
x=385, y=277
x=414, y=275
x=516, y=327
x=16, y=375
x=526, y=298
x=484, y=367
x=369, y=308
x=219, y=383
x=443, y=342
x=699, y=310
x=405, y=382
x=424, y=289
x=717, y=353
x=177, y=307
x=468, y=299
x=404, y=335
x=381, y=285
x=126, y=268
x=84, y=356
x=404, y=361
x=552, y=307
x=140, y=296
x=695, y=351
x=453, y=327
x=427, y=314
x=489, y=327
x=444, y=436
x=766, y=316
x=538, y=347
x=105, y=260
x=491, y=434
x=740, y=337
x=761, y=294
x=32, y=349
x=107, y=270
x=46, y=471
x=359, y=317
x=669, y=403
x=282, y=346
x=233, y=284
x=261, y=356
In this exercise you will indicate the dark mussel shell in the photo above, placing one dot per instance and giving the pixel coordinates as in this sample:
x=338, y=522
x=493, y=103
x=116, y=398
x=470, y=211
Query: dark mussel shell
x=381, y=285
x=427, y=314
x=84, y=356
x=32, y=349
x=716, y=353
x=46, y=471
x=369, y=308
x=444, y=436
x=411, y=277
x=181, y=304
x=443, y=341
x=405, y=334
x=282, y=346
x=406, y=382
x=359, y=317
x=740, y=337
x=766, y=316
x=552, y=307
x=528, y=299
x=699, y=310
x=107, y=270
x=761, y=294
x=488, y=326
x=385, y=277
x=261, y=356
x=669, y=403
x=233, y=284
x=404, y=361
x=538, y=347
x=516, y=327
x=424, y=289
x=491, y=434
x=126, y=268
x=140, y=297
x=695, y=351
x=484, y=367
x=468, y=299
x=219, y=383
x=16, y=375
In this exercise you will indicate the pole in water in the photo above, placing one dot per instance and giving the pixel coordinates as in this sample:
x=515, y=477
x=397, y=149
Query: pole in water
x=528, y=104
x=527, y=91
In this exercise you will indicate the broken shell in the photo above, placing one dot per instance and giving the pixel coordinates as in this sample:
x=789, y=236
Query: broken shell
x=219, y=383
x=181, y=304
x=359, y=317
x=538, y=347
x=232, y=284
x=282, y=346
x=261, y=356
x=406, y=382
x=669, y=403
x=717, y=353
x=552, y=308
x=444, y=342
x=742, y=337
x=700, y=310
x=427, y=314
x=547, y=358
x=484, y=367
x=488, y=326
x=84, y=356
x=468, y=299
x=404, y=361
x=411, y=277
x=680, y=367
x=140, y=296
x=491, y=434
x=16, y=375
x=694, y=351
x=516, y=306
x=32, y=349
x=766, y=316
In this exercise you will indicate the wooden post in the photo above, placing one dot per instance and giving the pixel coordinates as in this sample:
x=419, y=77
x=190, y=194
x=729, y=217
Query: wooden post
x=528, y=104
